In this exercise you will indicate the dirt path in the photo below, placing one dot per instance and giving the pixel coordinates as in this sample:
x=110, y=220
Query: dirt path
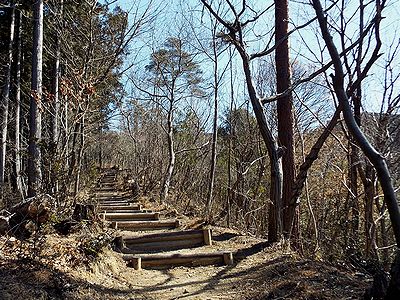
x=262, y=273
x=60, y=269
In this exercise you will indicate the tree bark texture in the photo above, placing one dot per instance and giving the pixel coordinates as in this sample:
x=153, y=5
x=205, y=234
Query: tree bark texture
x=171, y=153
x=352, y=195
x=5, y=100
x=79, y=152
x=236, y=38
x=17, y=145
x=35, y=110
x=377, y=160
x=229, y=189
x=214, y=134
x=55, y=87
x=370, y=227
x=274, y=223
x=285, y=112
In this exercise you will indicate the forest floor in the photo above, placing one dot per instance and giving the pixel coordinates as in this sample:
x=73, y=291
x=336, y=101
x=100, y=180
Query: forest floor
x=52, y=266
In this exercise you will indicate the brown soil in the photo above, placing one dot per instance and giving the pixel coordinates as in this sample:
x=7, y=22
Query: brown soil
x=57, y=268
x=51, y=266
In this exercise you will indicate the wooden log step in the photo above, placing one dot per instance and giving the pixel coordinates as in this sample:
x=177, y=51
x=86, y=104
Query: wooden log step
x=130, y=206
x=115, y=202
x=112, y=195
x=115, y=199
x=165, y=241
x=106, y=186
x=130, y=216
x=119, y=204
x=162, y=246
x=131, y=211
x=106, y=189
x=145, y=225
x=204, y=234
x=120, y=208
x=178, y=259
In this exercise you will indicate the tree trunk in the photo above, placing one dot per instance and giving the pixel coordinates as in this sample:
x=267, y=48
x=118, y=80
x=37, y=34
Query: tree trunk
x=65, y=132
x=171, y=154
x=274, y=223
x=352, y=195
x=55, y=87
x=35, y=112
x=353, y=161
x=377, y=160
x=236, y=38
x=312, y=156
x=79, y=156
x=18, y=168
x=5, y=99
x=56, y=102
x=369, y=226
x=214, y=135
x=285, y=114
x=55, y=131
x=100, y=158
x=74, y=147
x=229, y=189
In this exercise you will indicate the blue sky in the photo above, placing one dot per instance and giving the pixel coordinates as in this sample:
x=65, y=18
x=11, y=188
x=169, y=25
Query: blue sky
x=169, y=22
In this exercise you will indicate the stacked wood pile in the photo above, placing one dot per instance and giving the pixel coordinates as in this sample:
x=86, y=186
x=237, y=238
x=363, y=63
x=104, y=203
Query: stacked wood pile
x=24, y=218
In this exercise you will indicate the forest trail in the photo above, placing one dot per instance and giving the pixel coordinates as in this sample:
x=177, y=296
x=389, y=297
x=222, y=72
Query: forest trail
x=153, y=250
x=173, y=260
x=164, y=263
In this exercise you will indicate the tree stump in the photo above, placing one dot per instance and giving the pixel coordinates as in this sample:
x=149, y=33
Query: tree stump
x=4, y=225
x=83, y=212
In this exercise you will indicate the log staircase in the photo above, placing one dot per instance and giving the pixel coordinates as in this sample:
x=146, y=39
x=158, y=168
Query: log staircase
x=147, y=239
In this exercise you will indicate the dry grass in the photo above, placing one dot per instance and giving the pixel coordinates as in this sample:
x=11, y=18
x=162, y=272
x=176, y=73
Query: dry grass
x=61, y=270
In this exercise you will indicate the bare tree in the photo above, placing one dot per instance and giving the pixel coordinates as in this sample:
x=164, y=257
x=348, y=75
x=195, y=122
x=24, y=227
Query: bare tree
x=376, y=158
x=5, y=99
x=285, y=114
x=214, y=59
x=175, y=74
x=235, y=36
x=35, y=112
x=18, y=104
